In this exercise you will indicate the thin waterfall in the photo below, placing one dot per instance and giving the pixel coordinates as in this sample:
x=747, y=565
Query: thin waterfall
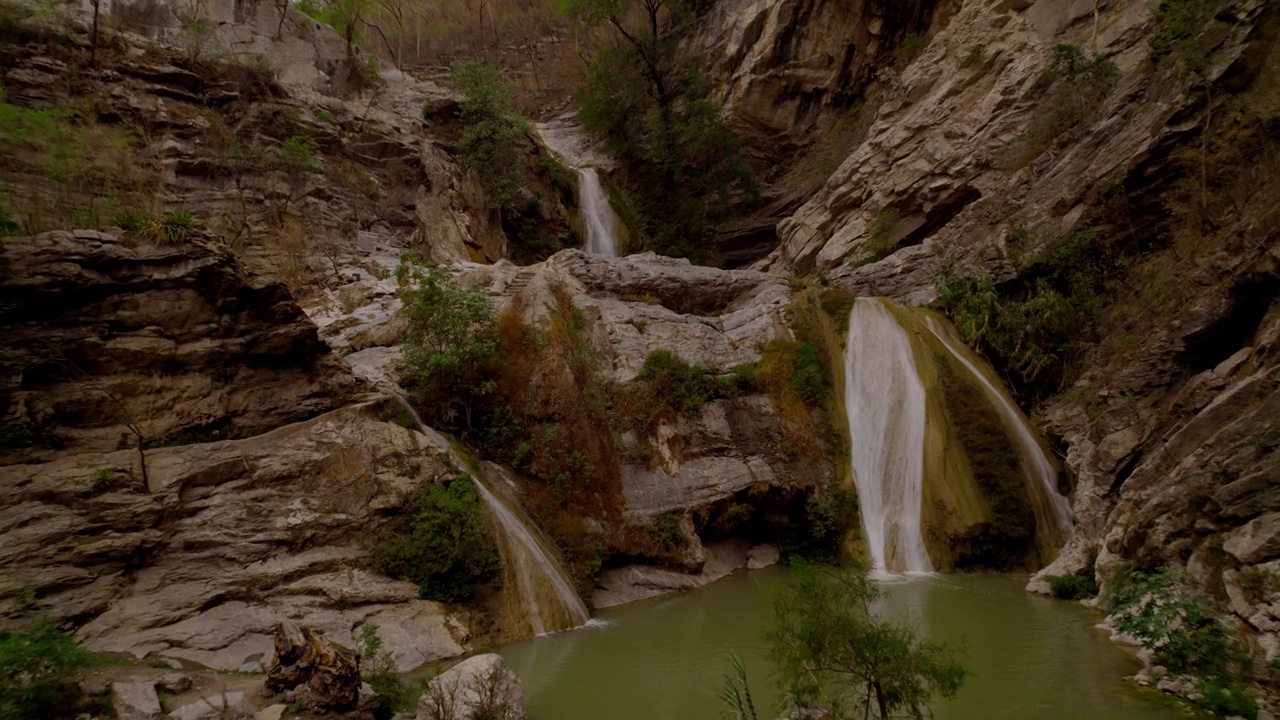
x=885, y=403
x=597, y=214
x=1053, y=512
x=546, y=591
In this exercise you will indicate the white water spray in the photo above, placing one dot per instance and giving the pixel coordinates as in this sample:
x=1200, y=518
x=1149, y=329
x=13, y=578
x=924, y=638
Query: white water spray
x=597, y=215
x=885, y=402
x=546, y=592
x=1053, y=523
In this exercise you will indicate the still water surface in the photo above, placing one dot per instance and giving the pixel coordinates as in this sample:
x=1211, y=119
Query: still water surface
x=1031, y=657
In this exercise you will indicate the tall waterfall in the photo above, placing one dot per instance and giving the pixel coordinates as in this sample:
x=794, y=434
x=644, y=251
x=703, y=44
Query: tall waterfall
x=885, y=402
x=1053, y=512
x=546, y=590
x=597, y=214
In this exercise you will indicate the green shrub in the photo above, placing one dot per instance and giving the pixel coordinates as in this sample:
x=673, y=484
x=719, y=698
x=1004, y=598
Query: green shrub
x=298, y=154
x=831, y=651
x=1073, y=587
x=665, y=385
x=1187, y=31
x=830, y=513
x=880, y=241
x=1033, y=328
x=665, y=532
x=1227, y=700
x=443, y=541
x=34, y=664
x=452, y=336
x=17, y=434
x=1171, y=621
x=494, y=139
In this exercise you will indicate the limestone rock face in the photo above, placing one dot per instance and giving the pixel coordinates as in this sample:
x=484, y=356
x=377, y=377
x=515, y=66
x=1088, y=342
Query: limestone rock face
x=947, y=150
x=1173, y=448
x=111, y=341
x=232, y=538
x=782, y=66
x=312, y=671
x=645, y=302
x=729, y=447
x=481, y=686
x=693, y=467
x=1256, y=541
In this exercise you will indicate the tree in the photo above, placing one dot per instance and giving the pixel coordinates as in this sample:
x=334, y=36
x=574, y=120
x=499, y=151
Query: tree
x=832, y=652
x=494, y=139
x=647, y=101
x=452, y=336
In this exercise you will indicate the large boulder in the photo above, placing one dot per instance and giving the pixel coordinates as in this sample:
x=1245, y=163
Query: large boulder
x=482, y=686
x=135, y=701
x=313, y=671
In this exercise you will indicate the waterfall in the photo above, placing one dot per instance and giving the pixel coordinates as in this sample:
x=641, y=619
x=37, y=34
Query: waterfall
x=1053, y=512
x=885, y=403
x=546, y=591
x=597, y=214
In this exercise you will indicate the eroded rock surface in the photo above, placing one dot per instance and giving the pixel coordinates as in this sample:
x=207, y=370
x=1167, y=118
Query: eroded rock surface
x=948, y=152
x=110, y=341
x=233, y=537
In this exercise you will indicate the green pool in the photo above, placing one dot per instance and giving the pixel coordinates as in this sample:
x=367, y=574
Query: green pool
x=1031, y=657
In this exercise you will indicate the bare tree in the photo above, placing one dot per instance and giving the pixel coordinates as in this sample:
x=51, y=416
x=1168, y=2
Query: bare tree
x=74, y=373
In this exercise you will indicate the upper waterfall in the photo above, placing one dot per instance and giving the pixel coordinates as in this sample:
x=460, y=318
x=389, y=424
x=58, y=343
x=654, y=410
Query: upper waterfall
x=597, y=214
x=565, y=139
x=885, y=403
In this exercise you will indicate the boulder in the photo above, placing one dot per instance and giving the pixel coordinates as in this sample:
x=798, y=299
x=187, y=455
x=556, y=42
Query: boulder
x=1256, y=541
x=135, y=701
x=222, y=706
x=482, y=686
x=313, y=671
x=174, y=683
x=272, y=712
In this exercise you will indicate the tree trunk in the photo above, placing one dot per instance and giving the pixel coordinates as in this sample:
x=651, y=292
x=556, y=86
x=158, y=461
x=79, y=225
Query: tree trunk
x=93, y=47
x=142, y=461
x=881, y=701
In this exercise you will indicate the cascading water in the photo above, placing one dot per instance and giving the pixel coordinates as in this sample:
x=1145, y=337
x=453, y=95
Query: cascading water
x=597, y=214
x=885, y=403
x=546, y=591
x=1053, y=512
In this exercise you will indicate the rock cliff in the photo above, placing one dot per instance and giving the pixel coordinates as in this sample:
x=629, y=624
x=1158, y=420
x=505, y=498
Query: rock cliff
x=972, y=162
